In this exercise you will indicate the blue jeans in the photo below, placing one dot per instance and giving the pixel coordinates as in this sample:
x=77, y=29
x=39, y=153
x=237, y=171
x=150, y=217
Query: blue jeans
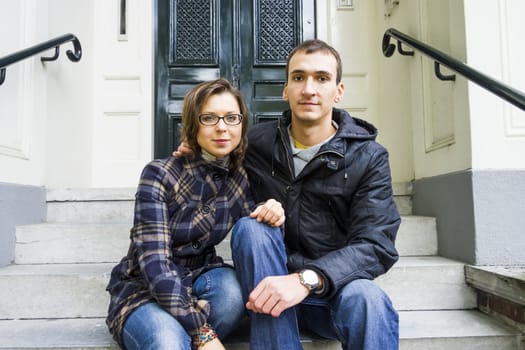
x=151, y=327
x=360, y=315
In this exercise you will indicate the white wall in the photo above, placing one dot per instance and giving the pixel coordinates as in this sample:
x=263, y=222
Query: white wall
x=123, y=115
x=70, y=98
x=396, y=90
x=92, y=125
x=372, y=84
x=433, y=127
x=94, y=122
x=100, y=109
x=496, y=48
x=442, y=134
x=441, y=129
x=23, y=114
x=459, y=126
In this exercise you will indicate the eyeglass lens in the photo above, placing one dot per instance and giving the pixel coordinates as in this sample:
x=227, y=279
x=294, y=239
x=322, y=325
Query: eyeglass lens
x=212, y=119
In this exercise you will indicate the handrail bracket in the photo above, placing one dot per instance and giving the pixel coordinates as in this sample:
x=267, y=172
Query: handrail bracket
x=402, y=51
x=441, y=76
x=2, y=75
x=52, y=58
x=18, y=56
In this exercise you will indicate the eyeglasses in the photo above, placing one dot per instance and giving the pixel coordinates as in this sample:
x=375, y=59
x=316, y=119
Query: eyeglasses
x=213, y=119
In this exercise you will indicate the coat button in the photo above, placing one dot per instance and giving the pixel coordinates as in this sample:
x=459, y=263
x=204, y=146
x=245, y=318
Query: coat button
x=196, y=244
x=205, y=209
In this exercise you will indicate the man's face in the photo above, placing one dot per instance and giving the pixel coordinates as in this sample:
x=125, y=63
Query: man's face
x=311, y=89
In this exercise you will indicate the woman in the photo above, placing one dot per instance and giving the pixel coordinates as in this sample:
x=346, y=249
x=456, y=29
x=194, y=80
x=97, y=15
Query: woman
x=172, y=290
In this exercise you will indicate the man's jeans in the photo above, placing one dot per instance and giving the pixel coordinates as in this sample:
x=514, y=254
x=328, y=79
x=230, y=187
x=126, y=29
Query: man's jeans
x=360, y=315
x=151, y=327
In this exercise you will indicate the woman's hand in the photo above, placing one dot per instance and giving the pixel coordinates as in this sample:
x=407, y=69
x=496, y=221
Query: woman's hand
x=271, y=212
x=207, y=339
x=214, y=344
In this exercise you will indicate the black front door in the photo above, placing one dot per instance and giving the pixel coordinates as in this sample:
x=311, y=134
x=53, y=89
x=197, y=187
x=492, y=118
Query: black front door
x=244, y=41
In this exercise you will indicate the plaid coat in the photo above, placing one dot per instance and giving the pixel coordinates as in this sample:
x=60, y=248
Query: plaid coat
x=183, y=208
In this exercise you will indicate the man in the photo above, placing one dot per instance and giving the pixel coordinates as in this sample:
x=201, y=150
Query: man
x=334, y=182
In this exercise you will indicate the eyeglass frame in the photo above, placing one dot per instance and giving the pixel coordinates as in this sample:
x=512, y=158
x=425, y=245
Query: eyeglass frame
x=219, y=117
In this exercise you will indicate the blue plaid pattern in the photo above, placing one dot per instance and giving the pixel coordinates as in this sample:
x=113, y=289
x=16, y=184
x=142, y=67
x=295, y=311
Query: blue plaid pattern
x=183, y=208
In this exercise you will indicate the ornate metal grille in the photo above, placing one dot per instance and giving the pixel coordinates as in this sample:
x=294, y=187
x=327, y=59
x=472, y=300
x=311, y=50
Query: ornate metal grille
x=194, y=36
x=276, y=28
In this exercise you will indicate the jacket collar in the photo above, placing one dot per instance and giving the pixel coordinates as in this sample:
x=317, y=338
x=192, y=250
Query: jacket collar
x=205, y=165
x=350, y=128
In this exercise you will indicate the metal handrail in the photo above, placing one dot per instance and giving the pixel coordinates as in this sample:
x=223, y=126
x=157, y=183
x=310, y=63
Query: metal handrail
x=506, y=92
x=36, y=49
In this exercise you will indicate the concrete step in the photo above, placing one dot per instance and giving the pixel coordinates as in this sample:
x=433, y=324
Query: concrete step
x=116, y=204
x=54, y=291
x=455, y=330
x=403, y=197
x=507, y=282
x=64, y=243
x=432, y=330
x=91, y=205
x=110, y=211
x=428, y=283
x=78, y=290
x=417, y=236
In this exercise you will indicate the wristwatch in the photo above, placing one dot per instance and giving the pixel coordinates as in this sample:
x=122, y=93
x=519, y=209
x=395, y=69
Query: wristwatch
x=309, y=279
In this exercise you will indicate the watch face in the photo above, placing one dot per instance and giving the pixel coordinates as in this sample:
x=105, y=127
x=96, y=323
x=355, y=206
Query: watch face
x=309, y=279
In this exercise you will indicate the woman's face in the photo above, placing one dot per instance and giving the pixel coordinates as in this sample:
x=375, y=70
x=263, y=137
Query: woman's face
x=220, y=139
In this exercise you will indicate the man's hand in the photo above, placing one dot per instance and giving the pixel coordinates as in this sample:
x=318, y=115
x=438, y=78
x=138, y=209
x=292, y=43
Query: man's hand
x=271, y=213
x=182, y=150
x=275, y=294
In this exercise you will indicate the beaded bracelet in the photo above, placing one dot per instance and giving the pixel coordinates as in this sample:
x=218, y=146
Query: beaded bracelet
x=205, y=334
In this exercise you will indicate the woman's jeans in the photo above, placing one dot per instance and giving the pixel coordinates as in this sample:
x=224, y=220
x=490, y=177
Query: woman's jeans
x=360, y=315
x=151, y=327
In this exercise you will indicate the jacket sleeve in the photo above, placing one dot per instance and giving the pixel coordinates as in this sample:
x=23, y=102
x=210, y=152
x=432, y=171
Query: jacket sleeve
x=374, y=221
x=169, y=284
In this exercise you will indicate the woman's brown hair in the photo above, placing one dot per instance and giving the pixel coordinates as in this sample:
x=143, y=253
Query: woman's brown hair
x=193, y=102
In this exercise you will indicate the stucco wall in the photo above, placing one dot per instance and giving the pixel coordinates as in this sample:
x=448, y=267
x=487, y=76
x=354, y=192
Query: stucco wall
x=479, y=214
x=19, y=205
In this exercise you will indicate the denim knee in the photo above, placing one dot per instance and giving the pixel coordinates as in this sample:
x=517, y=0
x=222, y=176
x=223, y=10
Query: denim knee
x=226, y=301
x=363, y=294
x=248, y=232
x=365, y=317
x=151, y=327
x=364, y=300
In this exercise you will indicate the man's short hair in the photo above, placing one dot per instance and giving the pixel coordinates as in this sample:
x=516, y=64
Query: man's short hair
x=316, y=45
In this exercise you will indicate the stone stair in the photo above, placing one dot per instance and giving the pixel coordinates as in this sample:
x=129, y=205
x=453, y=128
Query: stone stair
x=53, y=296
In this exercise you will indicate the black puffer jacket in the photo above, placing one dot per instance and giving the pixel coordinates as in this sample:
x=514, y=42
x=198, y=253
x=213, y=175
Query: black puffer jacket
x=341, y=219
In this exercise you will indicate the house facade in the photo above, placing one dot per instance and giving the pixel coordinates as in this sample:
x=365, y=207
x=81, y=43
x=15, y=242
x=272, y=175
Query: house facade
x=457, y=148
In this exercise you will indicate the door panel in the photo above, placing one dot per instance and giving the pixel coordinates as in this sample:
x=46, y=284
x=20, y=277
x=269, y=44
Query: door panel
x=246, y=42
